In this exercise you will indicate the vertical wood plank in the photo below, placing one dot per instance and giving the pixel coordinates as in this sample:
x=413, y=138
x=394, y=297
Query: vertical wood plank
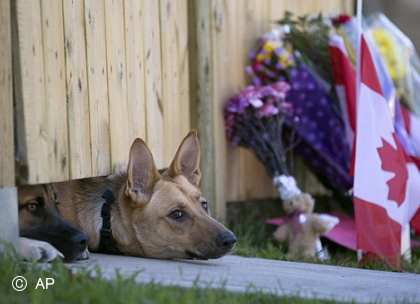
x=153, y=76
x=97, y=86
x=133, y=15
x=7, y=168
x=256, y=184
x=224, y=85
x=31, y=92
x=193, y=62
x=204, y=71
x=117, y=82
x=77, y=90
x=55, y=90
x=175, y=90
x=348, y=6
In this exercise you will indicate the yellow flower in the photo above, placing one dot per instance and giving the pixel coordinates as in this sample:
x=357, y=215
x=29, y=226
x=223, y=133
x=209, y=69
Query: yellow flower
x=270, y=46
x=262, y=56
x=390, y=53
x=284, y=60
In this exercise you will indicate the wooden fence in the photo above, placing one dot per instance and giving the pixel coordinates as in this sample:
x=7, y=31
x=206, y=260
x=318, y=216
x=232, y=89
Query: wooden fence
x=90, y=76
x=93, y=75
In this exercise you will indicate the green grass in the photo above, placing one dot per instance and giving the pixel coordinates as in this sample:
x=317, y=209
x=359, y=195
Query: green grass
x=246, y=219
x=91, y=287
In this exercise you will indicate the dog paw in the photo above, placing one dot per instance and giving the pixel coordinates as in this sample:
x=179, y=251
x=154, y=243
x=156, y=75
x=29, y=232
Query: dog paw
x=34, y=250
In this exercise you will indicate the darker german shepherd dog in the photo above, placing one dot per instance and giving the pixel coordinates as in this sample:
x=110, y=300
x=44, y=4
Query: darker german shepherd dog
x=39, y=220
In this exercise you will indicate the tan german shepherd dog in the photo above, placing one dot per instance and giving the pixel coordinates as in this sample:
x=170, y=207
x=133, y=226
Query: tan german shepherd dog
x=145, y=212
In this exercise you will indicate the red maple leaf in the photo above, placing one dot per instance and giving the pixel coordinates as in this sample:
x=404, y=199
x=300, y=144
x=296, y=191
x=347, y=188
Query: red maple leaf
x=393, y=160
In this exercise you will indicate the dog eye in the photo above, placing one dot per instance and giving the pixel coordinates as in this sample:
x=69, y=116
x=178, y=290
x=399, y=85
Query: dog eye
x=205, y=205
x=176, y=214
x=32, y=207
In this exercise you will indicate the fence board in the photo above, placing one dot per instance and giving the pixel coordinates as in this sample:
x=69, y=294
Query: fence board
x=7, y=169
x=55, y=89
x=256, y=21
x=117, y=81
x=133, y=16
x=175, y=93
x=97, y=86
x=77, y=90
x=32, y=84
x=203, y=73
x=153, y=76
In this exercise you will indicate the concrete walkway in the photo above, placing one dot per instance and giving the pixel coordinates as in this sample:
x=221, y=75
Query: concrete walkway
x=240, y=274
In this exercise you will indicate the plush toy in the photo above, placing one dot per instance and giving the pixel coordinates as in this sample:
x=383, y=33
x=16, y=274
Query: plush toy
x=302, y=228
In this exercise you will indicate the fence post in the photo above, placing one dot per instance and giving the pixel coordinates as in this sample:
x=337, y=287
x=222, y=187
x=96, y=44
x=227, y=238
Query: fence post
x=202, y=88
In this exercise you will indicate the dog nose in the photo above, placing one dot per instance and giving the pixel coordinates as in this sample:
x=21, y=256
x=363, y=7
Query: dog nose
x=226, y=239
x=81, y=240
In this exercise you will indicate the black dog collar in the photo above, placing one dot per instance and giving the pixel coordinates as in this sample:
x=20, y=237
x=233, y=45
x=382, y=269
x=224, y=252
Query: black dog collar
x=107, y=243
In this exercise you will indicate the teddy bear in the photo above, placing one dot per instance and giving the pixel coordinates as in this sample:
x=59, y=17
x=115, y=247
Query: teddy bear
x=302, y=228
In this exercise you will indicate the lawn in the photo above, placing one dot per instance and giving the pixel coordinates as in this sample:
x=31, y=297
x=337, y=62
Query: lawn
x=91, y=287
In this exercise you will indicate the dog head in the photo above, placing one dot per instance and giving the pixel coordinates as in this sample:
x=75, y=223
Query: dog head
x=39, y=220
x=167, y=211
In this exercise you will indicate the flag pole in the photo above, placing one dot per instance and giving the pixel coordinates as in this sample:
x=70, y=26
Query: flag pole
x=359, y=41
x=359, y=17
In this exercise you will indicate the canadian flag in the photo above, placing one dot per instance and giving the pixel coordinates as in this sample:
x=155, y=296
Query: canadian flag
x=386, y=183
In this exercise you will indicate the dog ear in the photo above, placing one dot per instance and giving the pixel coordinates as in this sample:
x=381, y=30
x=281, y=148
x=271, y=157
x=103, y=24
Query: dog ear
x=141, y=173
x=187, y=159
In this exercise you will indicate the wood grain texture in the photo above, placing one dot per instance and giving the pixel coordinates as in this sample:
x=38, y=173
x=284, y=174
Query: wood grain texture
x=7, y=167
x=134, y=46
x=55, y=119
x=32, y=101
x=203, y=71
x=77, y=90
x=175, y=78
x=153, y=76
x=117, y=81
x=97, y=86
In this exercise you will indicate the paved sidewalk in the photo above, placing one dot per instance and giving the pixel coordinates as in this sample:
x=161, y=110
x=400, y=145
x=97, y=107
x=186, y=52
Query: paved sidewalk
x=239, y=274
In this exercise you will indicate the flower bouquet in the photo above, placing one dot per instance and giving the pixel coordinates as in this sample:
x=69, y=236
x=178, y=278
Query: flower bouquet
x=255, y=119
x=285, y=54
